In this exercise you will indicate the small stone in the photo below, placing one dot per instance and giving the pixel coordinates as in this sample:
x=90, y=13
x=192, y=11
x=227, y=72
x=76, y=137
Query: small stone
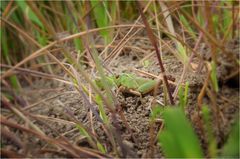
x=139, y=153
x=128, y=143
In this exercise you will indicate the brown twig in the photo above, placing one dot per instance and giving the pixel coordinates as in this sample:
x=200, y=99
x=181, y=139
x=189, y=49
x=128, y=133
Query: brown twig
x=11, y=154
x=71, y=149
x=155, y=45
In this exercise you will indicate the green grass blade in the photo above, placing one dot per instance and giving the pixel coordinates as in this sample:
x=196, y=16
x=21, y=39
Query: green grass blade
x=101, y=109
x=231, y=148
x=4, y=44
x=182, y=53
x=200, y=18
x=41, y=39
x=78, y=44
x=212, y=145
x=30, y=14
x=101, y=147
x=186, y=93
x=83, y=132
x=100, y=15
x=178, y=138
x=214, y=76
x=188, y=26
x=181, y=98
x=156, y=112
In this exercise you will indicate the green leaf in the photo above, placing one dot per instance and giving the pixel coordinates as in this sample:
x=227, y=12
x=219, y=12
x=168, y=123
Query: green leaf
x=183, y=96
x=178, y=139
x=212, y=144
x=4, y=43
x=214, y=76
x=156, y=112
x=14, y=82
x=186, y=93
x=188, y=26
x=215, y=19
x=231, y=148
x=101, y=109
x=29, y=13
x=200, y=18
x=101, y=147
x=100, y=13
x=41, y=38
x=78, y=44
x=82, y=131
x=146, y=63
x=182, y=53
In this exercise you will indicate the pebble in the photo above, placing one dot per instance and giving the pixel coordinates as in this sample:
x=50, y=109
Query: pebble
x=139, y=153
x=128, y=143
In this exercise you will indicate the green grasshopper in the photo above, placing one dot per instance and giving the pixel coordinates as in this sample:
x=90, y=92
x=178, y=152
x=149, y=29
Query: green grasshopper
x=129, y=83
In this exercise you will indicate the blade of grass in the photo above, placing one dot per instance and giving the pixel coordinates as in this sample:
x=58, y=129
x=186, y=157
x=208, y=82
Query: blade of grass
x=188, y=26
x=183, y=94
x=4, y=45
x=231, y=148
x=214, y=76
x=100, y=13
x=184, y=143
x=41, y=17
x=30, y=14
x=212, y=144
x=101, y=109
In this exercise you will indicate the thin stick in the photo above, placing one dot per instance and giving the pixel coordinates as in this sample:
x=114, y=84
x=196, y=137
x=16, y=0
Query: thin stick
x=154, y=43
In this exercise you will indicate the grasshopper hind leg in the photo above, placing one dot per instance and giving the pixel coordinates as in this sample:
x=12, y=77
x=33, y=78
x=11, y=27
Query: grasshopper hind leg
x=130, y=91
x=137, y=94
